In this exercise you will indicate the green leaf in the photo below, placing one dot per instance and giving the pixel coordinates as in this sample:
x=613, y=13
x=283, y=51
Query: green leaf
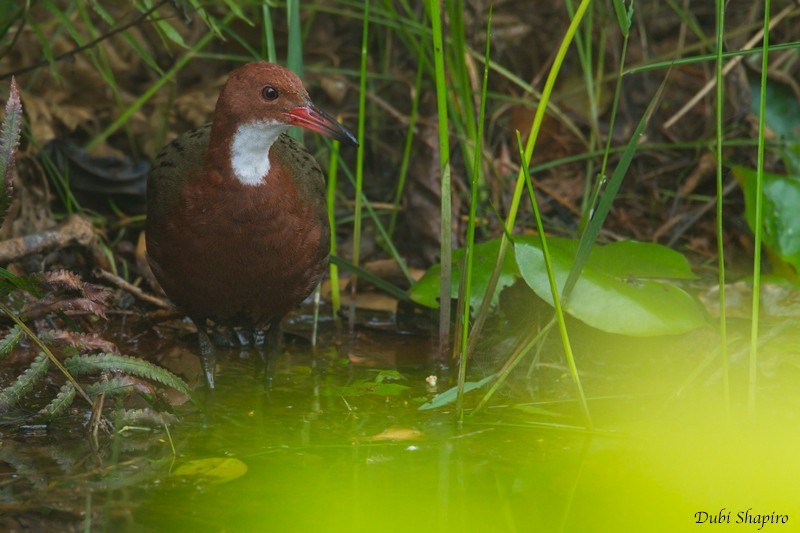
x=781, y=216
x=171, y=33
x=449, y=396
x=642, y=259
x=624, y=16
x=426, y=290
x=616, y=291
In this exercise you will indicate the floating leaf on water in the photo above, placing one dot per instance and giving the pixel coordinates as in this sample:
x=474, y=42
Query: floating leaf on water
x=395, y=434
x=213, y=470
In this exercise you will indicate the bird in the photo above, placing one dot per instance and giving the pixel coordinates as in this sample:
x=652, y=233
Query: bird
x=237, y=228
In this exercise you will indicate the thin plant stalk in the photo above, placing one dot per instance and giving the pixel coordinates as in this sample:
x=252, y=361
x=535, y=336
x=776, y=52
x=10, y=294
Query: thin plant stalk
x=559, y=312
x=403, y=174
x=762, y=108
x=625, y=24
x=386, y=241
x=333, y=167
x=446, y=259
x=461, y=103
x=726, y=385
x=558, y=61
x=362, y=99
x=466, y=271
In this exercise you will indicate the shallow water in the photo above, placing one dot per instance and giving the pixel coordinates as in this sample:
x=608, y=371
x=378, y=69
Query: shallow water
x=337, y=446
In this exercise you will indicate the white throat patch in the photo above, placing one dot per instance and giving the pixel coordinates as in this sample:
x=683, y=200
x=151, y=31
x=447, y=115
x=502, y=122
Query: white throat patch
x=250, y=150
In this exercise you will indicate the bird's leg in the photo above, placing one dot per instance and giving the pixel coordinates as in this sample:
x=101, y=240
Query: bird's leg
x=274, y=336
x=208, y=355
x=270, y=345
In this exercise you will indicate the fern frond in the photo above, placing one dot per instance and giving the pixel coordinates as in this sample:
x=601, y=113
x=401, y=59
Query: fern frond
x=138, y=417
x=111, y=387
x=85, y=364
x=10, y=341
x=59, y=404
x=24, y=383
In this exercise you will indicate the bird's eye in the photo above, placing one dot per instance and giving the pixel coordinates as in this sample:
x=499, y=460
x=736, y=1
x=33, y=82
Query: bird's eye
x=269, y=93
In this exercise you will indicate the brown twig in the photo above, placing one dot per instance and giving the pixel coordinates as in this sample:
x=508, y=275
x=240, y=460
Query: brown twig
x=77, y=230
x=133, y=289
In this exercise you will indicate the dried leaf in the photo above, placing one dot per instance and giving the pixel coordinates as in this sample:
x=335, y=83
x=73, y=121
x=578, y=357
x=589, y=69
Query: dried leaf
x=83, y=342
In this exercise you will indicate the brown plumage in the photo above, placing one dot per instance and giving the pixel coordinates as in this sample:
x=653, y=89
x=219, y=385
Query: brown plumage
x=225, y=242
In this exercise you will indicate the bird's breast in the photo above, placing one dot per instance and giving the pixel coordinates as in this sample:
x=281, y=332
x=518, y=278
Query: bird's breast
x=242, y=253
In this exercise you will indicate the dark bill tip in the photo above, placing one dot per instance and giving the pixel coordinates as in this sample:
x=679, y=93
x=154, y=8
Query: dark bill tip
x=313, y=119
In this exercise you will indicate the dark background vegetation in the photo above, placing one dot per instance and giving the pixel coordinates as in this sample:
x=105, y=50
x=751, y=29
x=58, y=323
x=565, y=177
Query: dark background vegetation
x=666, y=197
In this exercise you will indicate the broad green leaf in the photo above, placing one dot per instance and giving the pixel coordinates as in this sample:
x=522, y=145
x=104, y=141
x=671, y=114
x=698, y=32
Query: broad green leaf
x=622, y=259
x=616, y=292
x=640, y=259
x=781, y=211
x=426, y=290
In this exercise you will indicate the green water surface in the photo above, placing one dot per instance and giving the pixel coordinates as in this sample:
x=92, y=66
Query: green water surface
x=337, y=443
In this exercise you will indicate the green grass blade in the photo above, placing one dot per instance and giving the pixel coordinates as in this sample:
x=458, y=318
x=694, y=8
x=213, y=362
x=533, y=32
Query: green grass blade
x=547, y=91
x=623, y=16
x=562, y=327
x=753, y=365
x=445, y=231
x=592, y=230
x=466, y=272
x=723, y=320
x=153, y=89
x=383, y=285
x=403, y=174
x=333, y=166
x=294, y=54
x=269, y=34
x=362, y=104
